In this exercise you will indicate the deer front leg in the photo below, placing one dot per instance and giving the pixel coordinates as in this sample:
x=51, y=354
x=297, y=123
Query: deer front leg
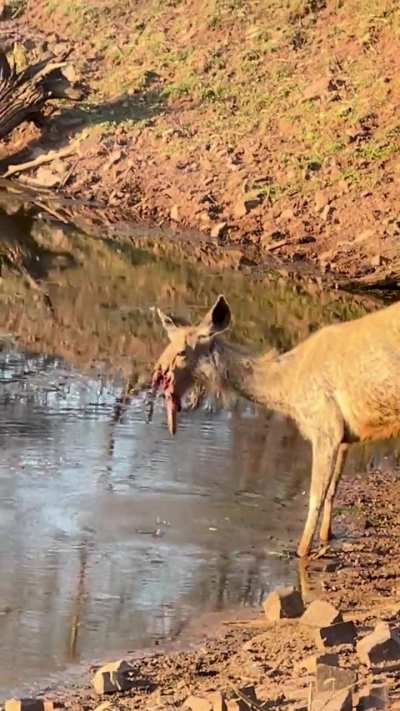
x=325, y=452
x=326, y=525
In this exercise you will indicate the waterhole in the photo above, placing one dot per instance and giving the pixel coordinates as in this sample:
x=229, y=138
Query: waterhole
x=112, y=534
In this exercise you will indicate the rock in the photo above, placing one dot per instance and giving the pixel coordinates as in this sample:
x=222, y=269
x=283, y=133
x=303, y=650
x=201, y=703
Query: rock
x=311, y=662
x=283, y=602
x=218, y=230
x=47, y=177
x=375, y=260
x=374, y=696
x=242, y=207
x=382, y=645
x=321, y=200
x=112, y=677
x=242, y=704
x=198, y=703
x=25, y=705
x=340, y=633
x=174, y=213
x=70, y=73
x=321, y=613
x=217, y=700
x=337, y=701
x=331, y=677
x=105, y=706
x=327, y=212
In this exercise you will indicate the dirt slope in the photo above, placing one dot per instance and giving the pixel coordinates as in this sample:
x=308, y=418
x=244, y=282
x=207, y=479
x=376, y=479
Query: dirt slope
x=268, y=122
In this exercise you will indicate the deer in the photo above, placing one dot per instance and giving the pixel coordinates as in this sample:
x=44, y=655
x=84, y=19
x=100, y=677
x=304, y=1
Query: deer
x=340, y=385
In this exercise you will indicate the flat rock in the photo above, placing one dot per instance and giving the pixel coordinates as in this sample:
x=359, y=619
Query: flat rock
x=333, y=701
x=29, y=705
x=174, y=213
x=112, y=677
x=105, y=706
x=198, y=703
x=311, y=662
x=218, y=230
x=321, y=613
x=242, y=207
x=283, y=603
x=382, y=645
x=217, y=701
x=373, y=696
x=331, y=677
x=340, y=633
x=121, y=666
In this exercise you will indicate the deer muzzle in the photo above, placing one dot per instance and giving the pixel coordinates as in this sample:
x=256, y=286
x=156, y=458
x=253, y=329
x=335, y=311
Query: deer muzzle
x=165, y=382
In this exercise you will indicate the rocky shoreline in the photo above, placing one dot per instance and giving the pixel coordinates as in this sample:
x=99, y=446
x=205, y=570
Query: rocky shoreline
x=342, y=652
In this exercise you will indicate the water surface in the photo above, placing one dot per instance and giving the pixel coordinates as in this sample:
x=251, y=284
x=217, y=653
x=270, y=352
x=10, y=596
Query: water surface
x=113, y=535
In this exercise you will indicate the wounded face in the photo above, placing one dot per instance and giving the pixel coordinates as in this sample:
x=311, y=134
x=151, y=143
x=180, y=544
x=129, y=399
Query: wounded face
x=175, y=371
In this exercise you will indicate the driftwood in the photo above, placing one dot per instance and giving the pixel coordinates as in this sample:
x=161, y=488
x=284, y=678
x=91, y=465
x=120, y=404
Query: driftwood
x=24, y=94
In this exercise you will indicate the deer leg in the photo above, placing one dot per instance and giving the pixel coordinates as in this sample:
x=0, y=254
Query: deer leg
x=325, y=453
x=326, y=525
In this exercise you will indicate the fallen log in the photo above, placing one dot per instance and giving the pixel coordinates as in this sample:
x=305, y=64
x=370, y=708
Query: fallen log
x=24, y=94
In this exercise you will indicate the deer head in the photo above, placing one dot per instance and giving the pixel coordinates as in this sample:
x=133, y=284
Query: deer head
x=175, y=371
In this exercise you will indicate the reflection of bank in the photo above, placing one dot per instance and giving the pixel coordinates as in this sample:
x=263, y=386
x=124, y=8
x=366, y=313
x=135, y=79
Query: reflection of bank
x=102, y=285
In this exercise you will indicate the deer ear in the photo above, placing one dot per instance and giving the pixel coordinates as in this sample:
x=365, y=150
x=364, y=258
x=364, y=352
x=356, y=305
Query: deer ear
x=217, y=319
x=167, y=322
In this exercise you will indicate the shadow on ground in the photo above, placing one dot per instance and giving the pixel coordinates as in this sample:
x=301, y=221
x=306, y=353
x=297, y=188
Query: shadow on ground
x=58, y=130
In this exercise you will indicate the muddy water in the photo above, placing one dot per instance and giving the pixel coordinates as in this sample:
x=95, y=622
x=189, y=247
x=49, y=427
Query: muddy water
x=112, y=534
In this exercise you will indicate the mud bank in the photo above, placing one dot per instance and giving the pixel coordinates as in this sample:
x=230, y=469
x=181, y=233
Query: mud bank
x=260, y=129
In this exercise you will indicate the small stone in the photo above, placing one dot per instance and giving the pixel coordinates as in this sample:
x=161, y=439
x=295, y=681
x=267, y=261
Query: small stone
x=242, y=207
x=112, y=677
x=70, y=73
x=217, y=701
x=24, y=705
x=321, y=200
x=374, y=696
x=198, y=703
x=283, y=603
x=382, y=645
x=310, y=663
x=321, y=613
x=327, y=212
x=236, y=705
x=174, y=213
x=47, y=177
x=341, y=633
x=332, y=678
x=375, y=260
x=105, y=706
x=337, y=701
x=121, y=666
x=218, y=230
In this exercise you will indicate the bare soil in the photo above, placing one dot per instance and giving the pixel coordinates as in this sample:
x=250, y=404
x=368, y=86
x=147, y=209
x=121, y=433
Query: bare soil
x=271, y=126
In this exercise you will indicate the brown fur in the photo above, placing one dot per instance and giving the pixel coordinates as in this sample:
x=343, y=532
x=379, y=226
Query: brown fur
x=341, y=384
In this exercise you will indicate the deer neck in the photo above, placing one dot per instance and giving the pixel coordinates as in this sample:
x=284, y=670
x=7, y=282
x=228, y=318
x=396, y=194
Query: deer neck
x=259, y=379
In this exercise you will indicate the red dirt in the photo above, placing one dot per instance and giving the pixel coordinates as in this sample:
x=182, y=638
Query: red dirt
x=340, y=215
